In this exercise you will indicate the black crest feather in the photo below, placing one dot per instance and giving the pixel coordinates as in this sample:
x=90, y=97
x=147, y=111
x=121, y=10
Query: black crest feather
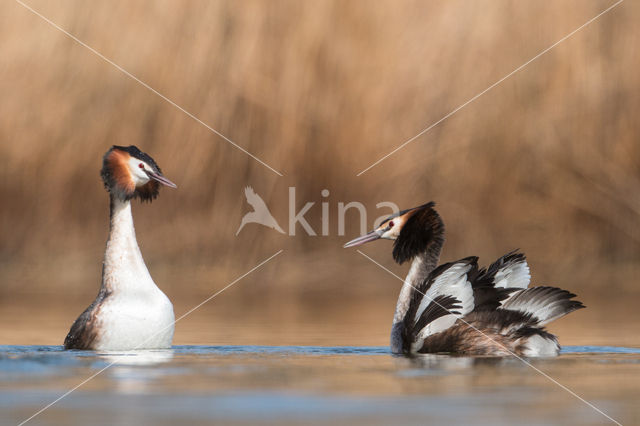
x=423, y=225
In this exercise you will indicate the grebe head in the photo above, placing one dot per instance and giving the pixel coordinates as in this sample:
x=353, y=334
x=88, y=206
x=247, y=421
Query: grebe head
x=128, y=173
x=411, y=229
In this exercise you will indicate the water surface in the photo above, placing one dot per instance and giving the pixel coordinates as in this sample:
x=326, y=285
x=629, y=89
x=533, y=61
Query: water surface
x=315, y=384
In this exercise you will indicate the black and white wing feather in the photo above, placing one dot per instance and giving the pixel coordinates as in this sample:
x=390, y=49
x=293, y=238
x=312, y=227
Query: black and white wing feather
x=495, y=302
x=443, y=298
x=509, y=271
x=545, y=304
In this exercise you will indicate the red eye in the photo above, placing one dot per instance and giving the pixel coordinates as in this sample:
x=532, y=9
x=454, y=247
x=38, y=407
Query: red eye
x=141, y=165
x=391, y=224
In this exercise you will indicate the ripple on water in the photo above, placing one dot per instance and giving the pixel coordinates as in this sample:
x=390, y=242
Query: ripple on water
x=599, y=350
x=56, y=354
x=276, y=384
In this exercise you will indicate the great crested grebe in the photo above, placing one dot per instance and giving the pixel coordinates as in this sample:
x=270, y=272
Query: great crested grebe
x=459, y=308
x=130, y=311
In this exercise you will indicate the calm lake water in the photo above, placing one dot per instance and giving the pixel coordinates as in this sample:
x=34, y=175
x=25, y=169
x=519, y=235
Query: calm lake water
x=314, y=385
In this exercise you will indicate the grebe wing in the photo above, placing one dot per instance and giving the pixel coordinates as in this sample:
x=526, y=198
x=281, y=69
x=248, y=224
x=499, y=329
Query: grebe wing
x=444, y=296
x=544, y=303
x=509, y=271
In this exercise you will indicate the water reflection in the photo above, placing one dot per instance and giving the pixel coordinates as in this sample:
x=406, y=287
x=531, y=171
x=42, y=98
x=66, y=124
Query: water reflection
x=343, y=385
x=138, y=357
x=128, y=373
x=441, y=362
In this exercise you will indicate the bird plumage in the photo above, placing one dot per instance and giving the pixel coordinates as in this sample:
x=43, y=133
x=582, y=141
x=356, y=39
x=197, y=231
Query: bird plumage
x=501, y=318
x=130, y=311
x=461, y=308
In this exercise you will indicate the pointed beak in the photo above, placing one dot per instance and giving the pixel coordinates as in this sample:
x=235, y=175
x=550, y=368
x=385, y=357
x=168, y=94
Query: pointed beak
x=163, y=180
x=371, y=236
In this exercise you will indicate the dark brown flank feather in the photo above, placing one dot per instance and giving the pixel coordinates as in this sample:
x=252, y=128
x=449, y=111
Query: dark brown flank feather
x=497, y=333
x=85, y=330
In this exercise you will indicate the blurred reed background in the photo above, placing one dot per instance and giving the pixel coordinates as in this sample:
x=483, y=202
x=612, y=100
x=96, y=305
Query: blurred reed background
x=548, y=161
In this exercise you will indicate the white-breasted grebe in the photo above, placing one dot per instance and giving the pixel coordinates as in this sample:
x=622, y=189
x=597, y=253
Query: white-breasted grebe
x=459, y=308
x=130, y=311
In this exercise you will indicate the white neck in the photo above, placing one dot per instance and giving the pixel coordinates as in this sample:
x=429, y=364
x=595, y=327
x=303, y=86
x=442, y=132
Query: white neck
x=411, y=283
x=124, y=269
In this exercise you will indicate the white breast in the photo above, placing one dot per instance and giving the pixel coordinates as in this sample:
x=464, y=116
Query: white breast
x=143, y=322
x=136, y=314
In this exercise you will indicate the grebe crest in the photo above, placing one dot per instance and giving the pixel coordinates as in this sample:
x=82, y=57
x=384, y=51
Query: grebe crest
x=129, y=173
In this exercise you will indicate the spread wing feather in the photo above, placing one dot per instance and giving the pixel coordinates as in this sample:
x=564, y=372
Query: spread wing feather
x=496, y=299
x=443, y=298
x=544, y=303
